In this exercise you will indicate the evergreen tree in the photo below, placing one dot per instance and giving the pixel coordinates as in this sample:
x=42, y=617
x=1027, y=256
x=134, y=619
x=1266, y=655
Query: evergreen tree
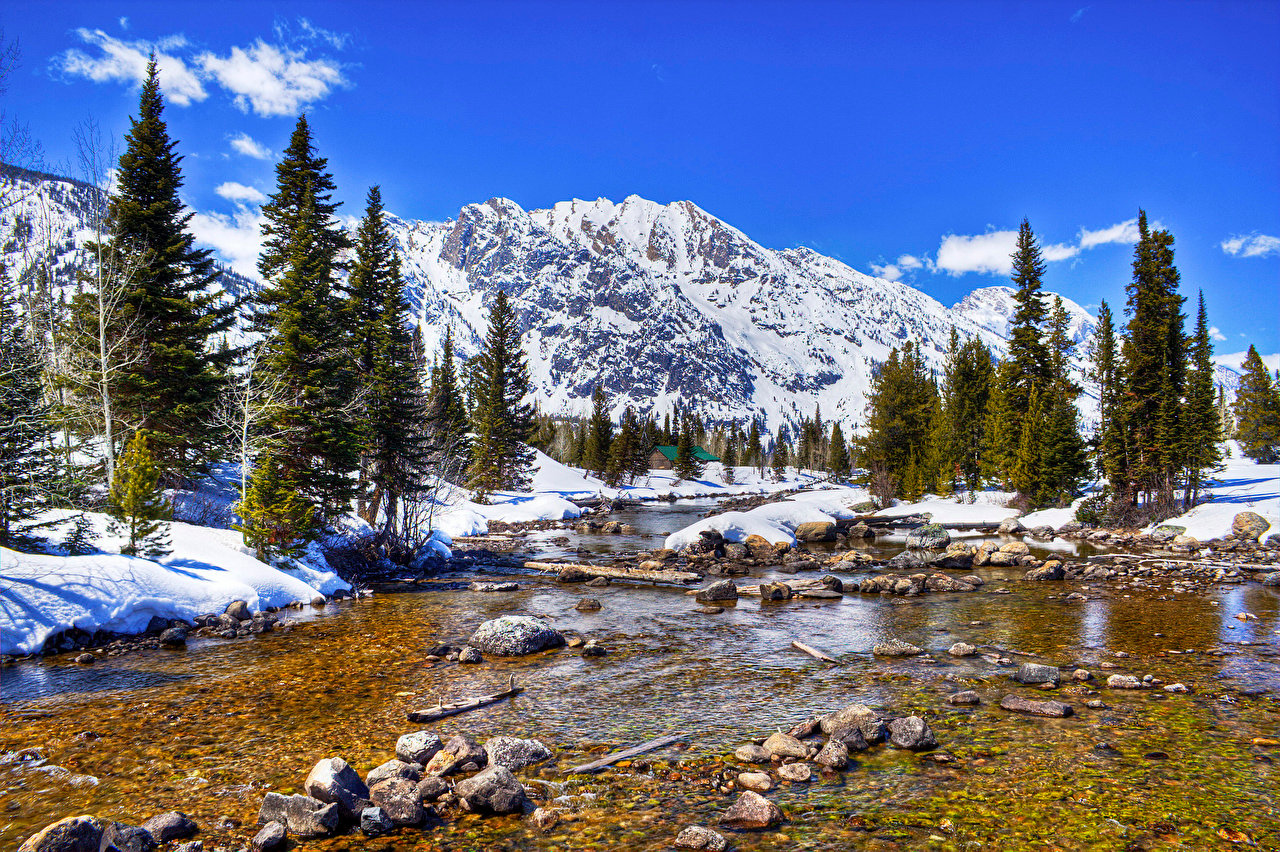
x=27, y=465
x=137, y=501
x=1061, y=350
x=838, y=457
x=729, y=458
x=446, y=413
x=172, y=382
x=1201, y=450
x=1028, y=356
x=503, y=421
x=275, y=519
x=1111, y=447
x=687, y=465
x=901, y=411
x=1257, y=411
x=303, y=318
x=599, y=433
x=780, y=455
x=1002, y=429
x=966, y=388
x=1062, y=450
x=622, y=450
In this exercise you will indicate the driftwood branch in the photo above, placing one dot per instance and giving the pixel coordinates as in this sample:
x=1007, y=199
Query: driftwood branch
x=610, y=759
x=633, y=574
x=444, y=709
x=812, y=652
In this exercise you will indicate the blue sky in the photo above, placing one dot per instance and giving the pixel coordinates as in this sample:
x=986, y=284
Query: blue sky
x=907, y=139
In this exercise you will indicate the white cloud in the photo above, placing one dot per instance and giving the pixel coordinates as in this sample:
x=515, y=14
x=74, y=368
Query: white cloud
x=1251, y=245
x=240, y=193
x=237, y=239
x=887, y=271
x=272, y=80
x=245, y=144
x=1059, y=251
x=904, y=264
x=124, y=23
x=1125, y=233
x=126, y=62
x=1216, y=334
x=309, y=32
x=988, y=253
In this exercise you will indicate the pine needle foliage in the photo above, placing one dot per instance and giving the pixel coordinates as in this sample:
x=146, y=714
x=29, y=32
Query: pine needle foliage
x=137, y=502
x=503, y=422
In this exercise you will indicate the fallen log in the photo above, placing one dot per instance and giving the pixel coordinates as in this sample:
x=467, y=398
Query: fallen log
x=812, y=652
x=632, y=574
x=610, y=759
x=797, y=586
x=445, y=709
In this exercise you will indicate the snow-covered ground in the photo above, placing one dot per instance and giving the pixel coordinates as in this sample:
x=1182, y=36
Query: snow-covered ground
x=42, y=595
x=776, y=522
x=556, y=485
x=1242, y=486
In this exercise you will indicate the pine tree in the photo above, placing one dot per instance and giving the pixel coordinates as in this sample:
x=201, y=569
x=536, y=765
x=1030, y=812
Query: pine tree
x=1202, y=435
x=1063, y=458
x=622, y=450
x=687, y=465
x=838, y=457
x=754, y=455
x=137, y=501
x=1002, y=429
x=966, y=387
x=503, y=421
x=172, y=383
x=1028, y=467
x=1111, y=445
x=302, y=315
x=1257, y=411
x=27, y=465
x=901, y=411
x=729, y=458
x=781, y=455
x=446, y=413
x=1028, y=356
x=599, y=433
x=275, y=518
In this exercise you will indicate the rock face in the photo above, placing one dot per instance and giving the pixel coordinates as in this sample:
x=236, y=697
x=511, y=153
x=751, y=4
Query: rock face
x=173, y=825
x=73, y=834
x=514, y=753
x=1034, y=673
x=332, y=780
x=697, y=837
x=929, y=537
x=303, y=816
x=752, y=811
x=1054, y=709
x=493, y=791
x=721, y=590
x=1249, y=525
x=418, y=747
x=896, y=648
x=816, y=531
x=515, y=635
x=911, y=732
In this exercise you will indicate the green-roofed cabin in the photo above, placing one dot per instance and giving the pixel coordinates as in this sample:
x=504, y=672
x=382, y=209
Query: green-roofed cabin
x=664, y=457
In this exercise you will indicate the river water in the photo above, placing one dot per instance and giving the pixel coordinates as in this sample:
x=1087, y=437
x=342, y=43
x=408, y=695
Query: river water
x=208, y=730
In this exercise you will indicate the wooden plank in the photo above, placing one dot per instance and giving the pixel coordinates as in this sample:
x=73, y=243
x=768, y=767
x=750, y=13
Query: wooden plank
x=610, y=759
x=812, y=652
x=613, y=573
x=444, y=709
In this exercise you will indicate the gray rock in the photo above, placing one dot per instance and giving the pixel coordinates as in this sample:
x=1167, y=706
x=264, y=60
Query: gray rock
x=854, y=714
x=697, y=837
x=752, y=753
x=962, y=649
x=834, y=754
x=1272, y=579
x=418, y=747
x=816, y=531
x=1011, y=526
x=1051, y=570
x=1044, y=532
x=470, y=656
x=432, y=788
x=911, y=732
x=333, y=780
x=270, y=838
x=174, y=637
x=760, y=782
x=775, y=592
x=796, y=772
x=752, y=811
x=1249, y=525
x=1053, y=709
x=968, y=698
x=515, y=635
x=588, y=605
x=721, y=590
x=783, y=745
x=118, y=837
x=172, y=825
x=303, y=816
x=73, y=834
x=896, y=648
x=929, y=537
x=1035, y=673
x=1117, y=681
x=460, y=754
x=398, y=798
x=851, y=737
x=493, y=791
x=1167, y=532
x=493, y=587
x=375, y=822
x=394, y=769
x=515, y=753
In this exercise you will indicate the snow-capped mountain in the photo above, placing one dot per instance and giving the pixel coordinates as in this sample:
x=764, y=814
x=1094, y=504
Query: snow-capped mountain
x=658, y=303
x=993, y=309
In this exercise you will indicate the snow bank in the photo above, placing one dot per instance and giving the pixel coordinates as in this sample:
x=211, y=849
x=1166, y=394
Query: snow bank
x=776, y=522
x=41, y=595
x=1242, y=486
x=987, y=508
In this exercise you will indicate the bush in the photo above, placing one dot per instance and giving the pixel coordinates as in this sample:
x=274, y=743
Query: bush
x=1091, y=509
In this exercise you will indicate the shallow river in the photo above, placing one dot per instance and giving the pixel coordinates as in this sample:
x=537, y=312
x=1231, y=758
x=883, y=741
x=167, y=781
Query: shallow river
x=208, y=730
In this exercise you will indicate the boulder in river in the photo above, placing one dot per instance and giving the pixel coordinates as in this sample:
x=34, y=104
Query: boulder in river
x=1052, y=709
x=374, y=822
x=1051, y=570
x=588, y=605
x=1010, y=526
x=172, y=825
x=1117, y=681
x=303, y=816
x=962, y=649
x=775, y=592
x=1271, y=579
x=1035, y=673
x=911, y=732
x=854, y=714
x=795, y=772
x=721, y=590
x=333, y=780
x=515, y=753
x=128, y=838
x=783, y=745
x=174, y=637
x=460, y=754
x=73, y=834
x=418, y=747
x=697, y=837
x=752, y=811
x=928, y=537
x=967, y=698
x=851, y=737
x=239, y=610
x=399, y=800
x=493, y=791
x=816, y=531
x=1249, y=525
x=470, y=656
x=515, y=635
x=752, y=753
x=896, y=648
x=834, y=754
x=270, y=838
x=394, y=769
x=760, y=782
